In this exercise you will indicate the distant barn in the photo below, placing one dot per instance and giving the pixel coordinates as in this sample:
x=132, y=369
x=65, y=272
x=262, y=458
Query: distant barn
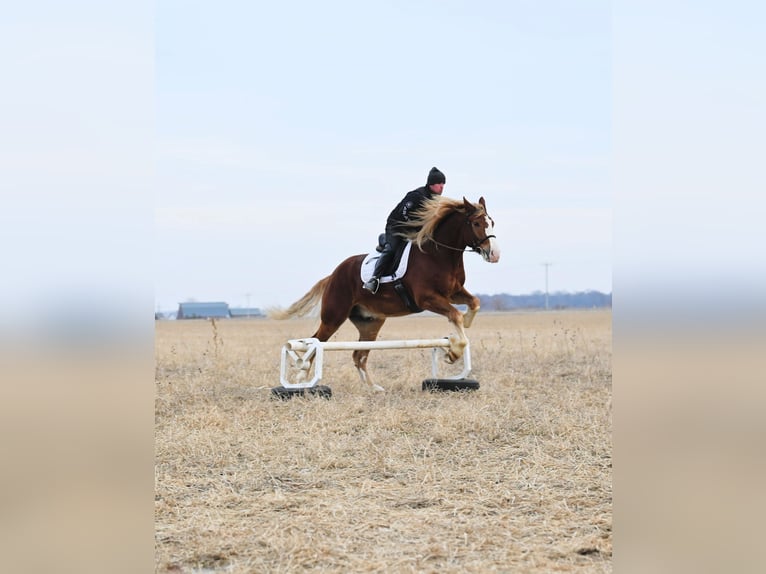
x=203, y=311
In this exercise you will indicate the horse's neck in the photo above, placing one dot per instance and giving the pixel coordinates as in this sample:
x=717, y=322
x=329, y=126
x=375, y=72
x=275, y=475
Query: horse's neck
x=450, y=232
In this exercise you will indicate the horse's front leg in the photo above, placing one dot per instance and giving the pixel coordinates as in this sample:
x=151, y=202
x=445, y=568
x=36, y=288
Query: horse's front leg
x=458, y=341
x=463, y=297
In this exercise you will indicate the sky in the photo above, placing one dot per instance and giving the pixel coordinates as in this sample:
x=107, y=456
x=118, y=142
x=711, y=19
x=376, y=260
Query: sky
x=154, y=152
x=287, y=131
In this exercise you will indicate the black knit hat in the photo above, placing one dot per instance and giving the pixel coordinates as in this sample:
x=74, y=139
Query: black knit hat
x=435, y=176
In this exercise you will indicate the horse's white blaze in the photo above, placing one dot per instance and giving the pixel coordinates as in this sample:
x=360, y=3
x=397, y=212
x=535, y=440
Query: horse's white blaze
x=493, y=255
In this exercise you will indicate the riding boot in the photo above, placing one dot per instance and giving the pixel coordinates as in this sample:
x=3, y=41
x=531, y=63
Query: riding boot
x=381, y=265
x=372, y=285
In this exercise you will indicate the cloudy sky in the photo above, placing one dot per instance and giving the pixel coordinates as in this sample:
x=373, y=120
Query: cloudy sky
x=286, y=132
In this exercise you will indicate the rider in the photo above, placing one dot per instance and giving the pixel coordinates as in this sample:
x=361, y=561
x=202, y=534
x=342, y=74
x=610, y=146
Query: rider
x=401, y=213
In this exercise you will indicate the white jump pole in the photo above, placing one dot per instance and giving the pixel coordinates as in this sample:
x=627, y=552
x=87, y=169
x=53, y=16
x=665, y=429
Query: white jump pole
x=301, y=352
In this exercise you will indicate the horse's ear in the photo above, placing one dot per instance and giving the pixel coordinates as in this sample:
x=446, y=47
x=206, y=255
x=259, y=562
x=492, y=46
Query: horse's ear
x=468, y=205
x=481, y=201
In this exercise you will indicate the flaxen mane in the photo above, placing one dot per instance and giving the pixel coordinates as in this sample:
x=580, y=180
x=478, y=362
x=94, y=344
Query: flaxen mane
x=429, y=216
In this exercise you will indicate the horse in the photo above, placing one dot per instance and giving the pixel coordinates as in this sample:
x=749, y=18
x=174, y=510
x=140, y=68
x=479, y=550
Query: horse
x=440, y=232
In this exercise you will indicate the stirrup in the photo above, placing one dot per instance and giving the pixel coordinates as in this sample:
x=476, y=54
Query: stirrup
x=372, y=285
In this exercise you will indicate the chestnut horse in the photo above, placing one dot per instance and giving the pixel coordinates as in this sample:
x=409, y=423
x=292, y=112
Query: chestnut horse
x=441, y=230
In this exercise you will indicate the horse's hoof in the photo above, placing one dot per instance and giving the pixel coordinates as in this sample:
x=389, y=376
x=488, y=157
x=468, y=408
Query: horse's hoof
x=378, y=389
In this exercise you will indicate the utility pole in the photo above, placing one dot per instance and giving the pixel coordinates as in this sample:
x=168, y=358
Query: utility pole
x=546, y=283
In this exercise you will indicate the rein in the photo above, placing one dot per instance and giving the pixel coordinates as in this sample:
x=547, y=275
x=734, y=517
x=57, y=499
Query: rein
x=475, y=246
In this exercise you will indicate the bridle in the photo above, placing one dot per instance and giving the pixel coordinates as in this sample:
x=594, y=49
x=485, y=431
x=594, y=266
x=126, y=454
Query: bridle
x=475, y=246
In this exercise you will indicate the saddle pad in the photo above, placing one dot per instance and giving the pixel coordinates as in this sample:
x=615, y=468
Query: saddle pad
x=368, y=266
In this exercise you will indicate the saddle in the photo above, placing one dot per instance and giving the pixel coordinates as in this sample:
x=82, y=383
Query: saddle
x=399, y=265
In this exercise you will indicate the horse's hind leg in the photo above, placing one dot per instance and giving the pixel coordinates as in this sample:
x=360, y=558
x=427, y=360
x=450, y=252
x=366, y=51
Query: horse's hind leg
x=368, y=326
x=334, y=313
x=332, y=317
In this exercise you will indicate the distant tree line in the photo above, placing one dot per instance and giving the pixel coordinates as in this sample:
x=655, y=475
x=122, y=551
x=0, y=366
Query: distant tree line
x=536, y=300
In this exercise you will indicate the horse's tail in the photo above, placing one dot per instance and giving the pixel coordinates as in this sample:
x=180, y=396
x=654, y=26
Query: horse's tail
x=304, y=305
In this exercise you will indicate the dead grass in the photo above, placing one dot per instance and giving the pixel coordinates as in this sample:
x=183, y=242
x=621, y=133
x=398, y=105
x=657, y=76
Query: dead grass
x=515, y=477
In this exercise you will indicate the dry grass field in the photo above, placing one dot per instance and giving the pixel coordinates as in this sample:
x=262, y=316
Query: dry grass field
x=514, y=477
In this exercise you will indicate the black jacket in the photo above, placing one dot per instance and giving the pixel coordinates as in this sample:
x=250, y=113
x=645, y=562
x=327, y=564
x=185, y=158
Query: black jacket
x=411, y=202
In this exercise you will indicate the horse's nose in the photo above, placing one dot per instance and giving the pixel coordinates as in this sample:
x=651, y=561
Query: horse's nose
x=494, y=256
x=494, y=251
